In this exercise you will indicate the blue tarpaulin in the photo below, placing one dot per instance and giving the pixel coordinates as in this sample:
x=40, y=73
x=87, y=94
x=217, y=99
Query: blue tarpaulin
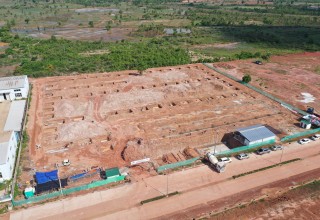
x=44, y=177
x=78, y=176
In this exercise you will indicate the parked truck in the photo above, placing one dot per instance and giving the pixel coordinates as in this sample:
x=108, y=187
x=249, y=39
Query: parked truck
x=219, y=165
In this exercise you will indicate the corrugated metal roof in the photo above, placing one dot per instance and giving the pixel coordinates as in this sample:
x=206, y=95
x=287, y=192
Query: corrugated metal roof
x=12, y=82
x=113, y=172
x=4, y=147
x=256, y=132
x=15, y=116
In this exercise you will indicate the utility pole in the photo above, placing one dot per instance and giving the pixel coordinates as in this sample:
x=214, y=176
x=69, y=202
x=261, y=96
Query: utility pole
x=215, y=141
x=167, y=174
x=281, y=153
x=59, y=179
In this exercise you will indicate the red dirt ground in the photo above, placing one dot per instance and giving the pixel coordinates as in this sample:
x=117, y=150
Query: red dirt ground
x=111, y=119
x=286, y=77
x=278, y=202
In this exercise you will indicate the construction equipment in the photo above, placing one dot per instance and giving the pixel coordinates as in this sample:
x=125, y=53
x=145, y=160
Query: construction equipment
x=313, y=119
x=219, y=165
x=310, y=110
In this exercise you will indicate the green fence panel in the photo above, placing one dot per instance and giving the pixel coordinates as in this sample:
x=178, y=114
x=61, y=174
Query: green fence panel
x=284, y=104
x=35, y=199
x=175, y=165
x=107, y=181
x=245, y=148
x=301, y=134
x=67, y=191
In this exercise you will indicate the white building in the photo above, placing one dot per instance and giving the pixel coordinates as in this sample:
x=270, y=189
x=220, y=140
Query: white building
x=8, y=149
x=11, y=117
x=13, y=87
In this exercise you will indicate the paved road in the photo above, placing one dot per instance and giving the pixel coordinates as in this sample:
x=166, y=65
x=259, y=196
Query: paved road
x=198, y=185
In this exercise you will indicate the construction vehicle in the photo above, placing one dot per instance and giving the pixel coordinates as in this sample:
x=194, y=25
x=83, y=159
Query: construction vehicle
x=313, y=119
x=219, y=165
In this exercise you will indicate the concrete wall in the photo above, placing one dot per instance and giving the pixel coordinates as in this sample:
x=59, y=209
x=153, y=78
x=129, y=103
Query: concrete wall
x=7, y=168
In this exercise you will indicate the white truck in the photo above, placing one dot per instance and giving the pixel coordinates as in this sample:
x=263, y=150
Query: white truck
x=219, y=165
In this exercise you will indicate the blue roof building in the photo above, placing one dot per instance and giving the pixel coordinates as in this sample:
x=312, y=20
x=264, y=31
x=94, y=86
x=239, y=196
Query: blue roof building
x=254, y=134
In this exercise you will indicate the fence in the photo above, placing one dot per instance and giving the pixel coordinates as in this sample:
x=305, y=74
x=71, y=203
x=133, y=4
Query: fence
x=176, y=165
x=284, y=104
x=67, y=191
x=301, y=134
x=23, y=126
x=245, y=148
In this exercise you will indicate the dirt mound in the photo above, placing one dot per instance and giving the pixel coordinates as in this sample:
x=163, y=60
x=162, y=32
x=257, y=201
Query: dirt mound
x=134, y=150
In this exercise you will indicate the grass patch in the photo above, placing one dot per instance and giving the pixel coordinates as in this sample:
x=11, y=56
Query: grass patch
x=2, y=186
x=158, y=197
x=265, y=168
x=317, y=69
x=313, y=186
x=3, y=210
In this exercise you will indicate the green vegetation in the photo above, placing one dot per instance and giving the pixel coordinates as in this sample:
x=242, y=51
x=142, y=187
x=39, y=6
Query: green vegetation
x=266, y=168
x=246, y=78
x=5, y=185
x=313, y=186
x=215, y=32
x=57, y=56
x=317, y=69
x=3, y=210
x=158, y=197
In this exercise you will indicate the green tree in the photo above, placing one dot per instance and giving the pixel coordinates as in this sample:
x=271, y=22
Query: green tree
x=108, y=27
x=91, y=24
x=246, y=78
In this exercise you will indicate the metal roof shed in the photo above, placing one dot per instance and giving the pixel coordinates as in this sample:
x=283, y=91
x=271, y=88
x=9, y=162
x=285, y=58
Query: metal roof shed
x=112, y=172
x=254, y=134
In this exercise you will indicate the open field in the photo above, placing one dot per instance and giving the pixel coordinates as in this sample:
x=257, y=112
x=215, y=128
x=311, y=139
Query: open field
x=294, y=78
x=111, y=119
x=34, y=33
x=300, y=203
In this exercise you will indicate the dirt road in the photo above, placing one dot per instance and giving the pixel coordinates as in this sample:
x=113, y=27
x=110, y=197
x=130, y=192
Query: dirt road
x=198, y=186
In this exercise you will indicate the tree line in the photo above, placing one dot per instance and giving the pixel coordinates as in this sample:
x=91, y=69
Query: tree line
x=39, y=58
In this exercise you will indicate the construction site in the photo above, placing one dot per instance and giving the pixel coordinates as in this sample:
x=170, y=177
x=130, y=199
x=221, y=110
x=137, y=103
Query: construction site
x=165, y=114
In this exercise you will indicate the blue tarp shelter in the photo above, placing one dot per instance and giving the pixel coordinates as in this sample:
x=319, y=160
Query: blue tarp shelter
x=44, y=177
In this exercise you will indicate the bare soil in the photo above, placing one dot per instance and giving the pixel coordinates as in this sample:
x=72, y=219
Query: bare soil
x=292, y=78
x=295, y=204
x=273, y=201
x=111, y=119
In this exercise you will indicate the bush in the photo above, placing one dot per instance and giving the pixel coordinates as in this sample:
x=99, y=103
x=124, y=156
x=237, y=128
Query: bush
x=246, y=78
x=266, y=168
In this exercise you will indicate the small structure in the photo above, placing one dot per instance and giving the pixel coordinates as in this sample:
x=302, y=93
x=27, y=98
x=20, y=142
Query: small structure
x=47, y=181
x=29, y=192
x=306, y=124
x=111, y=173
x=312, y=119
x=254, y=134
x=14, y=87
